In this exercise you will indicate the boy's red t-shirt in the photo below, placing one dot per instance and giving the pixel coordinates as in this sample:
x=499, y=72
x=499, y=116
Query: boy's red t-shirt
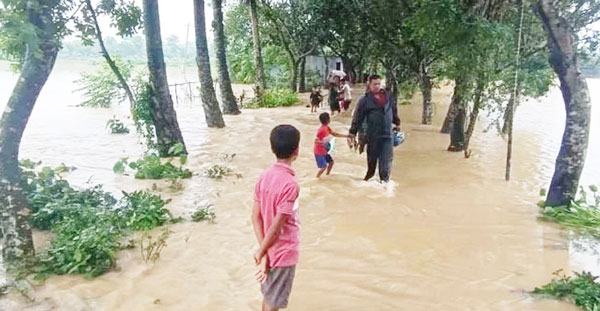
x=277, y=193
x=323, y=132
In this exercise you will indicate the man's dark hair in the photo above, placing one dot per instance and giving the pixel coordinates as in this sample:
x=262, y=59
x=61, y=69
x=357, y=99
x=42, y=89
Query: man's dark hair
x=324, y=118
x=374, y=77
x=284, y=141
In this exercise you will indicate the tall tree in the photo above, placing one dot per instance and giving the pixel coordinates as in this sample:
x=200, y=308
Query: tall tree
x=261, y=80
x=127, y=18
x=41, y=28
x=212, y=113
x=228, y=99
x=163, y=112
x=563, y=44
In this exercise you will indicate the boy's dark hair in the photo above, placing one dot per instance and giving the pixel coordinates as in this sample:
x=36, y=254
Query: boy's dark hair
x=374, y=77
x=324, y=118
x=284, y=140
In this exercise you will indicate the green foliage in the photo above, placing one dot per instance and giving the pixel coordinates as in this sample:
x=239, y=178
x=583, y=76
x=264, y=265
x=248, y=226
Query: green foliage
x=102, y=88
x=276, y=98
x=142, y=112
x=88, y=224
x=116, y=126
x=204, y=213
x=583, y=290
x=151, y=167
x=217, y=171
x=143, y=210
x=582, y=216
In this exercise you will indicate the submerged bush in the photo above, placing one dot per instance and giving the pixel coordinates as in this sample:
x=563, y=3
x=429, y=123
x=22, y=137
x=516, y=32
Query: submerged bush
x=151, y=167
x=582, y=290
x=276, y=98
x=88, y=224
x=581, y=216
x=116, y=126
x=204, y=213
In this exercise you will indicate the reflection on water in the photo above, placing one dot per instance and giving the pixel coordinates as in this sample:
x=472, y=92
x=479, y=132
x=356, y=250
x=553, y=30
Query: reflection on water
x=450, y=234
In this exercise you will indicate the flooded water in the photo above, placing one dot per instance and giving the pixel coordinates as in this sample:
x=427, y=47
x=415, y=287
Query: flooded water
x=450, y=234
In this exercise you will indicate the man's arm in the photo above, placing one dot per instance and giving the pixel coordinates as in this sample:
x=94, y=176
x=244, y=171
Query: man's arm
x=271, y=236
x=358, y=117
x=257, y=223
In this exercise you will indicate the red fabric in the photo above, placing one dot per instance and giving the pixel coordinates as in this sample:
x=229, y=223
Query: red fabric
x=380, y=99
x=320, y=143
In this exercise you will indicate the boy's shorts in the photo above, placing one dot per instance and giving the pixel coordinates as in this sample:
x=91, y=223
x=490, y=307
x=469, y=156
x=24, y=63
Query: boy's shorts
x=278, y=285
x=323, y=160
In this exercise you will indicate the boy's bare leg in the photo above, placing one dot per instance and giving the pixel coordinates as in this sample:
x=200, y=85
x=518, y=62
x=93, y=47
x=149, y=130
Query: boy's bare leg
x=266, y=307
x=329, y=167
x=320, y=172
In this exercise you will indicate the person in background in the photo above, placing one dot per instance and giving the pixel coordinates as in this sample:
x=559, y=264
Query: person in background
x=378, y=108
x=346, y=95
x=275, y=220
x=333, y=96
x=315, y=99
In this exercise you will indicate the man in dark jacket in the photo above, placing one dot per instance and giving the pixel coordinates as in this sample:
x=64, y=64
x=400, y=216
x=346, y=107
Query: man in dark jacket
x=378, y=108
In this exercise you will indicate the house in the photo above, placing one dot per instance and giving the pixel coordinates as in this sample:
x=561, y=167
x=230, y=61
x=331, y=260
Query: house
x=317, y=68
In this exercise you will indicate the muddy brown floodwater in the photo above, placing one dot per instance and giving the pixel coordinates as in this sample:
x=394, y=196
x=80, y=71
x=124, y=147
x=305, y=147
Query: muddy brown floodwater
x=448, y=234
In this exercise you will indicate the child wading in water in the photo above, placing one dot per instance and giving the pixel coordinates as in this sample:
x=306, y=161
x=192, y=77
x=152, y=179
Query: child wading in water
x=324, y=135
x=315, y=99
x=275, y=220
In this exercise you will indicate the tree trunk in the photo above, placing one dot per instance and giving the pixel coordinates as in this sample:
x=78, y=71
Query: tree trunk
x=165, y=118
x=457, y=123
x=302, y=85
x=391, y=83
x=228, y=99
x=261, y=83
x=425, y=84
x=113, y=66
x=563, y=58
x=212, y=113
x=456, y=98
x=474, y=114
x=293, y=73
x=349, y=69
x=18, y=251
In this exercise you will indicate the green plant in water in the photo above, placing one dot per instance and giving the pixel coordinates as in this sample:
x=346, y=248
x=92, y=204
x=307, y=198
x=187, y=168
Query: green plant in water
x=143, y=210
x=142, y=112
x=204, y=213
x=116, y=126
x=151, y=167
x=217, y=171
x=582, y=216
x=101, y=88
x=582, y=290
x=151, y=248
x=276, y=98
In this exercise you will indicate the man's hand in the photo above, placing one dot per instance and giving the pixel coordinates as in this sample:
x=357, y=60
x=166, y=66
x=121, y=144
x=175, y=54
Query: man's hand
x=263, y=271
x=258, y=256
x=351, y=141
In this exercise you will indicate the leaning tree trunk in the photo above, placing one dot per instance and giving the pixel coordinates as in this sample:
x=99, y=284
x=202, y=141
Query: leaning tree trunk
x=212, y=113
x=228, y=99
x=456, y=98
x=458, y=117
x=477, y=103
x=563, y=58
x=261, y=82
x=302, y=84
x=293, y=63
x=113, y=66
x=18, y=251
x=425, y=84
x=165, y=118
x=508, y=113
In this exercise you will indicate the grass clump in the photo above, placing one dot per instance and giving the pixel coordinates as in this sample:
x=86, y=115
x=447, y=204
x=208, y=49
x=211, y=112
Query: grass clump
x=88, y=225
x=275, y=98
x=218, y=171
x=204, y=213
x=116, y=126
x=582, y=216
x=151, y=248
x=582, y=290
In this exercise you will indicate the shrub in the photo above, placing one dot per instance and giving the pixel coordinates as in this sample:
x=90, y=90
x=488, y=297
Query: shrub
x=102, y=87
x=143, y=210
x=583, y=290
x=204, y=213
x=151, y=167
x=116, y=126
x=276, y=98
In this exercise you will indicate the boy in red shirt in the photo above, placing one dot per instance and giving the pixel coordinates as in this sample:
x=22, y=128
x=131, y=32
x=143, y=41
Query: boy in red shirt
x=324, y=135
x=275, y=220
